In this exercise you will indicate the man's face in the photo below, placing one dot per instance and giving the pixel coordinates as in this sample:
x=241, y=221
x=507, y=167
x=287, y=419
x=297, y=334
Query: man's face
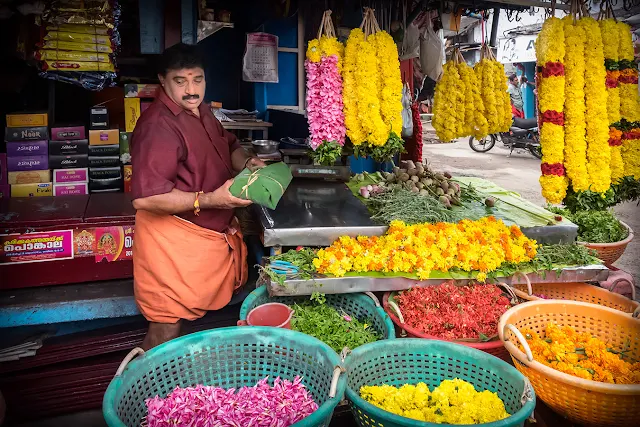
x=185, y=87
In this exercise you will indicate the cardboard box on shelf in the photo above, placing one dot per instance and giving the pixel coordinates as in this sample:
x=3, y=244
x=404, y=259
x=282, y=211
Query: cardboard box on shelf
x=65, y=148
x=27, y=163
x=104, y=137
x=27, y=148
x=3, y=169
x=128, y=173
x=131, y=113
x=64, y=176
x=29, y=177
x=105, y=173
x=32, y=190
x=125, y=138
x=104, y=161
x=105, y=184
x=99, y=118
x=26, y=133
x=104, y=150
x=17, y=120
x=72, y=189
x=135, y=90
x=67, y=133
x=72, y=161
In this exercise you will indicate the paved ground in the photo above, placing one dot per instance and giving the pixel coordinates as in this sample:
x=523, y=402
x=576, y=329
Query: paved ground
x=520, y=173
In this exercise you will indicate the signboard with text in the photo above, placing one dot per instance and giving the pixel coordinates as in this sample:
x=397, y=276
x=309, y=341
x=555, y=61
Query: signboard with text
x=36, y=247
x=517, y=49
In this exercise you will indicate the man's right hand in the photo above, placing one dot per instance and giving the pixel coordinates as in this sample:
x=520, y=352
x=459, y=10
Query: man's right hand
x=222, y=198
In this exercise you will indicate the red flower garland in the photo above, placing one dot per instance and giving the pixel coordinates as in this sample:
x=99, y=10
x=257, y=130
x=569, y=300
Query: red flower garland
x=552, y=69
x=632, y=134
x=552, y=169
x=417, y=131
x=554, y=117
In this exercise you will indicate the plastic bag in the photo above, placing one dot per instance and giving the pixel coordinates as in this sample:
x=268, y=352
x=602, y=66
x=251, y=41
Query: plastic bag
x=407, y=117
x=411, y=43
x=431, y=53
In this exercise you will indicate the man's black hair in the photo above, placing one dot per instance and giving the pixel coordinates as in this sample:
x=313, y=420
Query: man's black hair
x=180, y=56
x=512, y=77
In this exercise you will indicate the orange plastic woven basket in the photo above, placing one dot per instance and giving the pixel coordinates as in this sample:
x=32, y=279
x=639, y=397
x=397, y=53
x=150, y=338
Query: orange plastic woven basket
x=610, y=252
x=578, y=291
x=581, y=401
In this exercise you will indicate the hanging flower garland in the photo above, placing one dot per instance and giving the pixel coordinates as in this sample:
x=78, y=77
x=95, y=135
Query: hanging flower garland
x=575, y=147
x=368, y=77
x=445, y=111
x=355, y=132
x=504, y=104
x=629, y=103
x=324, y=87
x=596, y=118
x=611, y=43
x=390, y=81
x=550, y=55
x=485, y=77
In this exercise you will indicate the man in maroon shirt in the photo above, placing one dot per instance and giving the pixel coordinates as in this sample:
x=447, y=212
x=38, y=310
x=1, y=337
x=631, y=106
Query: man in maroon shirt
x=188, y=255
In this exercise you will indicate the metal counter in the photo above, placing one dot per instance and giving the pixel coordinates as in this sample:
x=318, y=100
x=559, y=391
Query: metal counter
x=345, y=285
x=315, y=213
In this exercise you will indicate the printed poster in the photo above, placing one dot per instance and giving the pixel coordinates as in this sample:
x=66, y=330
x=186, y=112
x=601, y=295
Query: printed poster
x=36, y=247
x=105, y=243
x=260, y=62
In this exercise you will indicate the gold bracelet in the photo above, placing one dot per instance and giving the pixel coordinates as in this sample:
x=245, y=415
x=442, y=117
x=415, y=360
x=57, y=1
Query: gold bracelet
x=196, y=204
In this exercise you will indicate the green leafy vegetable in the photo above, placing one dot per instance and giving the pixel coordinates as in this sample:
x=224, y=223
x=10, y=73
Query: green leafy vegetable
x=595, y=226
x=302, y=258
x=336, y=328
x=326, y=153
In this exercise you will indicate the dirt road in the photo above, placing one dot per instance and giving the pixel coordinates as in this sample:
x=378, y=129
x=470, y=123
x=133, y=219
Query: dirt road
x=520, y=173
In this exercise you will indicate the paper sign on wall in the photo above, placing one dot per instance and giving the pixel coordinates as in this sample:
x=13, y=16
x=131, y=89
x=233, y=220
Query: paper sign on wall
x=34, y=247
x=260, y=62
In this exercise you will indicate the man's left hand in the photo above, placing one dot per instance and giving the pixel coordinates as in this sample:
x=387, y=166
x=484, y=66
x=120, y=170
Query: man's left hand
x=254, y=163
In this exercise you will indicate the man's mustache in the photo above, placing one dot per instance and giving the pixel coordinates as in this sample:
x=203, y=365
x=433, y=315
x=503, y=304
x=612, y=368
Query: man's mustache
x=188, y=97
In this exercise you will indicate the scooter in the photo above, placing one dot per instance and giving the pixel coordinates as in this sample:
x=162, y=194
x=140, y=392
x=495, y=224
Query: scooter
x=522, y=134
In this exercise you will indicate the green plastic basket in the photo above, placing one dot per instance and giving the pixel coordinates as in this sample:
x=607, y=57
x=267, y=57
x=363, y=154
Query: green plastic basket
x=360, y=306
x=229, y=358
x=412, y=360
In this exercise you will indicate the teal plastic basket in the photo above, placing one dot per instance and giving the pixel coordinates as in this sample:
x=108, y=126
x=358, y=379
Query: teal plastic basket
x=229, y=358
x=412, y=360
x=360, y=306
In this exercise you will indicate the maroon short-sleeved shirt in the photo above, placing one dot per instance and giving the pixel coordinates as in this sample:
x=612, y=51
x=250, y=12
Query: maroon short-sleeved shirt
x=172, y=148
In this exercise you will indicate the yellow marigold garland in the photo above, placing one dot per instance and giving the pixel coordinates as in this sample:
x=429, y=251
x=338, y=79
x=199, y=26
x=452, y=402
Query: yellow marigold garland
x=444, y=104
x=575, y=143
x=355, y=132
x=390, y=81
x=581, y=355
x=485, y=77
x=550, y=56
x=629, y=103
x=504, y=100
x=367, y=89
x=476, y=123
x=314, y=53
x=598, y=151
x=611, y=44
x=482, y=245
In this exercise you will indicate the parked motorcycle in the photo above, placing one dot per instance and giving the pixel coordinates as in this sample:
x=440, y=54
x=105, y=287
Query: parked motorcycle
x=522, y=134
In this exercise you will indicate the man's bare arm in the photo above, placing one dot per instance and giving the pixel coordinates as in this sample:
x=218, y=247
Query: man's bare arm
x=177, y=201
x=240, y=159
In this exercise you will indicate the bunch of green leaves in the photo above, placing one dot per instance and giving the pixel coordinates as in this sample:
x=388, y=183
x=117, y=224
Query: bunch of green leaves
x=326, y=153
x=386, y=152
x=627, y=190
x=332, y=326
x=554, y=258
x=302, y=258
x=404, y=205
x=590, y=200
x=595, y=226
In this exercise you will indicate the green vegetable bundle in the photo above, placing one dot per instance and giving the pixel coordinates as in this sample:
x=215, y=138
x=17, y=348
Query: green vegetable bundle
x=595, y=226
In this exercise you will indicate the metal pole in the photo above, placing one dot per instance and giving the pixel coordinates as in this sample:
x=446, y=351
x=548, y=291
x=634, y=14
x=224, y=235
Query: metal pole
x=494, y=27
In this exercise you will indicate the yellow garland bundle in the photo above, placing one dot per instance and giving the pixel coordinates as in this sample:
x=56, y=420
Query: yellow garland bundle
x=445, y=119
x=485, y=76
x=598, y=151
x=390, y=80
x=368, y=77
x=611, y=43
x=476, y=123
x=550, y=53
x=575, y=146
x=629, y=104
x=355, y=132
x=504, y=104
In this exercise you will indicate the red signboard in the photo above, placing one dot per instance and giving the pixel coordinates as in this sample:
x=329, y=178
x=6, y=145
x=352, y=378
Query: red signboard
x=35, y=247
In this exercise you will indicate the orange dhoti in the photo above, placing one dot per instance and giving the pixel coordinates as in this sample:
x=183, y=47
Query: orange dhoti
x=181, y=270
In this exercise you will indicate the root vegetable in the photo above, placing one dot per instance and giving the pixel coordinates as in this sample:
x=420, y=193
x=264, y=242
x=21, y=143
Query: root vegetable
x=444, y=186
x=413, y=172
x=415, y=178
x=423, y=193
x=445, y=201
x=490, y=202
x=451, y=191
x=447, y=175
x=369, y=188
x=439, y=191
x=415, y=190
x=404, y=177
x=420, y=185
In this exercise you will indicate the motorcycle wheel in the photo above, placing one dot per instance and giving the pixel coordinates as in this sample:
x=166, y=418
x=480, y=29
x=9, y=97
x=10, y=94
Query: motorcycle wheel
x=483, y=145
x=536, y=151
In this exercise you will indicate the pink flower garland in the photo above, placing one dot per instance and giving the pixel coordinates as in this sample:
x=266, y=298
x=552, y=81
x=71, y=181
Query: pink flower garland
x=324, y=101
x=282, y=405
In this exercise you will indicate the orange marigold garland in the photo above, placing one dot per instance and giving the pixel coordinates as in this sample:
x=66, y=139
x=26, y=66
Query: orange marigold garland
x=550, y=55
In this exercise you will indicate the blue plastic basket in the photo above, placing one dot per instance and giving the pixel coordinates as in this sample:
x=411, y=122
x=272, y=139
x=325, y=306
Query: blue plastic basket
x=410, y=361
x=360, y=306
x=229, y=358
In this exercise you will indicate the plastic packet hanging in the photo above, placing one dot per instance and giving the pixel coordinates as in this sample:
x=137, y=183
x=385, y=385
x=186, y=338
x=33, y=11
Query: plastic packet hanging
x=82, y=29
x=78, y=37
x=71, y=55
x=94, y=81
x=73, y=66
x=81, y=47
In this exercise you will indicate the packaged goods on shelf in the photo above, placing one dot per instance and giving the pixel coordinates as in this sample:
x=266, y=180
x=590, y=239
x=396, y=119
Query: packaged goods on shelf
x=36, y=133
